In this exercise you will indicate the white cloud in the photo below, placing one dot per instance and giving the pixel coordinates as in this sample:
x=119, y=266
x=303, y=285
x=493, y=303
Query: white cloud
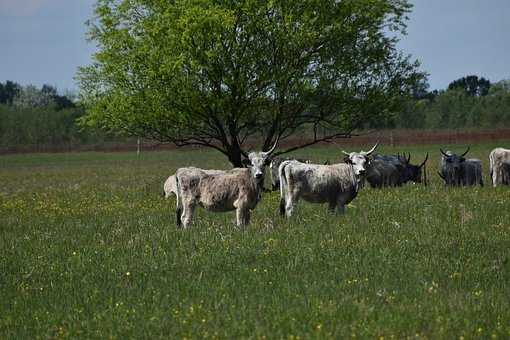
x=19, y=8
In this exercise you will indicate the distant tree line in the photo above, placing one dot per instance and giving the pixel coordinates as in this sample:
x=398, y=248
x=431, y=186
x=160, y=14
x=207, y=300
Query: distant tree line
x=468, y=102
x=31, y=116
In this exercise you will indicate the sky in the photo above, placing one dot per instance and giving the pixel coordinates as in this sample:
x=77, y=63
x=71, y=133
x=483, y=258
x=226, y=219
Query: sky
x=44, y=41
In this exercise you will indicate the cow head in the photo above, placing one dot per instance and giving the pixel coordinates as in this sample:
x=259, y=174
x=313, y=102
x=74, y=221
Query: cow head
x=451, y=166
x=413, y=172
x=359, y=160
x=257, y=161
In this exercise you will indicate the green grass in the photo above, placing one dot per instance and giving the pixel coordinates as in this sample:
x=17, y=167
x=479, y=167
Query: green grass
x=89, y=249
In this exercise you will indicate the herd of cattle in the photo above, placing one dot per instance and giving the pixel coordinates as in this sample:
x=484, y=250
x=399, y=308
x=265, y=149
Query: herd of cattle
x=240, y=189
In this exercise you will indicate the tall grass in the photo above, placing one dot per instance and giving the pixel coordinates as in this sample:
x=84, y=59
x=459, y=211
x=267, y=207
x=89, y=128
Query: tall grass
x=90, y=249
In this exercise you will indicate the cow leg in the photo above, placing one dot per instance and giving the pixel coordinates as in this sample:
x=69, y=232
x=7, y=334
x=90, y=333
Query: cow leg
x=340, y=203
x=187, y=214
x=340, y=209
x=495, y=177
x=289, y=205
x=242, y=216
x=332, y=206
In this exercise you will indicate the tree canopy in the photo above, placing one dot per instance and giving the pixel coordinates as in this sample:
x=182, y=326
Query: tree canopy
x=218, y=72
x=471, y=85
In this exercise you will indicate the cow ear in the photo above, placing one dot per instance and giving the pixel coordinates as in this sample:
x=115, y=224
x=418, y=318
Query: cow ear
x=347, y=160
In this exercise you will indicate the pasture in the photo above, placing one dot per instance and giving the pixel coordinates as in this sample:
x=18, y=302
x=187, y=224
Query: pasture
x=89, y=249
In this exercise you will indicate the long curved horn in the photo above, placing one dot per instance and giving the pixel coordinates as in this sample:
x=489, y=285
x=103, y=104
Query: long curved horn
x=441, y=176
x=346, y=153
x=444, y=153
x=425, y=161
x=267, y=153
x=465, y=152
x=409, y=158
x=371, y=150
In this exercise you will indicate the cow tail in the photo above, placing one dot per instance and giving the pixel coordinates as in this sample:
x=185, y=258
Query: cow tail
x=178, y=203
x=283, y=186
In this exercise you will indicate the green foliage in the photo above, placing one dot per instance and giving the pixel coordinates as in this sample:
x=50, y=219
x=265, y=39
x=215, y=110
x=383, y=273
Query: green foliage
x=217, y=72
x=90, y=250
x=39, y=126
x=33, y=117
x=471, y=85
x=8, y=92
x=456, y=108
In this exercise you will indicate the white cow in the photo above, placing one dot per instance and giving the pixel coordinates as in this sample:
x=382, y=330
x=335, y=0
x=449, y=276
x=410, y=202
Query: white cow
x=496, y=167
x=237, y=189
x=169, y=187
x=335, y=184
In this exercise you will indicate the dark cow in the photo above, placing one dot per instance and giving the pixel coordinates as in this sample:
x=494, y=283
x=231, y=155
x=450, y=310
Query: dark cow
x=381, y=173
x=384, y=167
x=505, y=173
x=456, y=170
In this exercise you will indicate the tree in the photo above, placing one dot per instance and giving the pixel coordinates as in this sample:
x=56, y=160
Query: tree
x=8, y=92
x=215, y=73
x=472, y=85
x=31, y=97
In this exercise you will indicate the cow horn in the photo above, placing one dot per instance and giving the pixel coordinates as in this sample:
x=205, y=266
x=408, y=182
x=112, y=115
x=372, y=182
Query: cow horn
x=465, y=152
x=444, y=153
x=425, y=161
x=267, y=153
x=371, y=150
x=441, y=176
x=409, y=158
x=346, y=153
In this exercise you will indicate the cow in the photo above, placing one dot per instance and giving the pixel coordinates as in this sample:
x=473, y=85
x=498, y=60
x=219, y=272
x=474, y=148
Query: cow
x=456, y=170
x=335, y=184
x=273, y=168
x=169, y=187
x=472, y=172
x=381, y=173
x=238, y=189
x=505, y=173
x=496, y=168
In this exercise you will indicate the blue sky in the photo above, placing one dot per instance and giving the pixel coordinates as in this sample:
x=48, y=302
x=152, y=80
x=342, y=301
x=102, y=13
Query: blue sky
x=43, y=41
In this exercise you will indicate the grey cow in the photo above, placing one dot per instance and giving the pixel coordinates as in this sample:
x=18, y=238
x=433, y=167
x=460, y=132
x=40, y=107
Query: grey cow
x=394, y=170
x=456, y=170
x=335, y=184
x=237, y=189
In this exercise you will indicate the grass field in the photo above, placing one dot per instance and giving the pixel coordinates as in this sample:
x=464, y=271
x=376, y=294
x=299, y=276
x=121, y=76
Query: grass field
x=89, y=249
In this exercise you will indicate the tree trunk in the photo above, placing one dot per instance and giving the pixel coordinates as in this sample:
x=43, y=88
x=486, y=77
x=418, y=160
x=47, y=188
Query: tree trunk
x=235, y=156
